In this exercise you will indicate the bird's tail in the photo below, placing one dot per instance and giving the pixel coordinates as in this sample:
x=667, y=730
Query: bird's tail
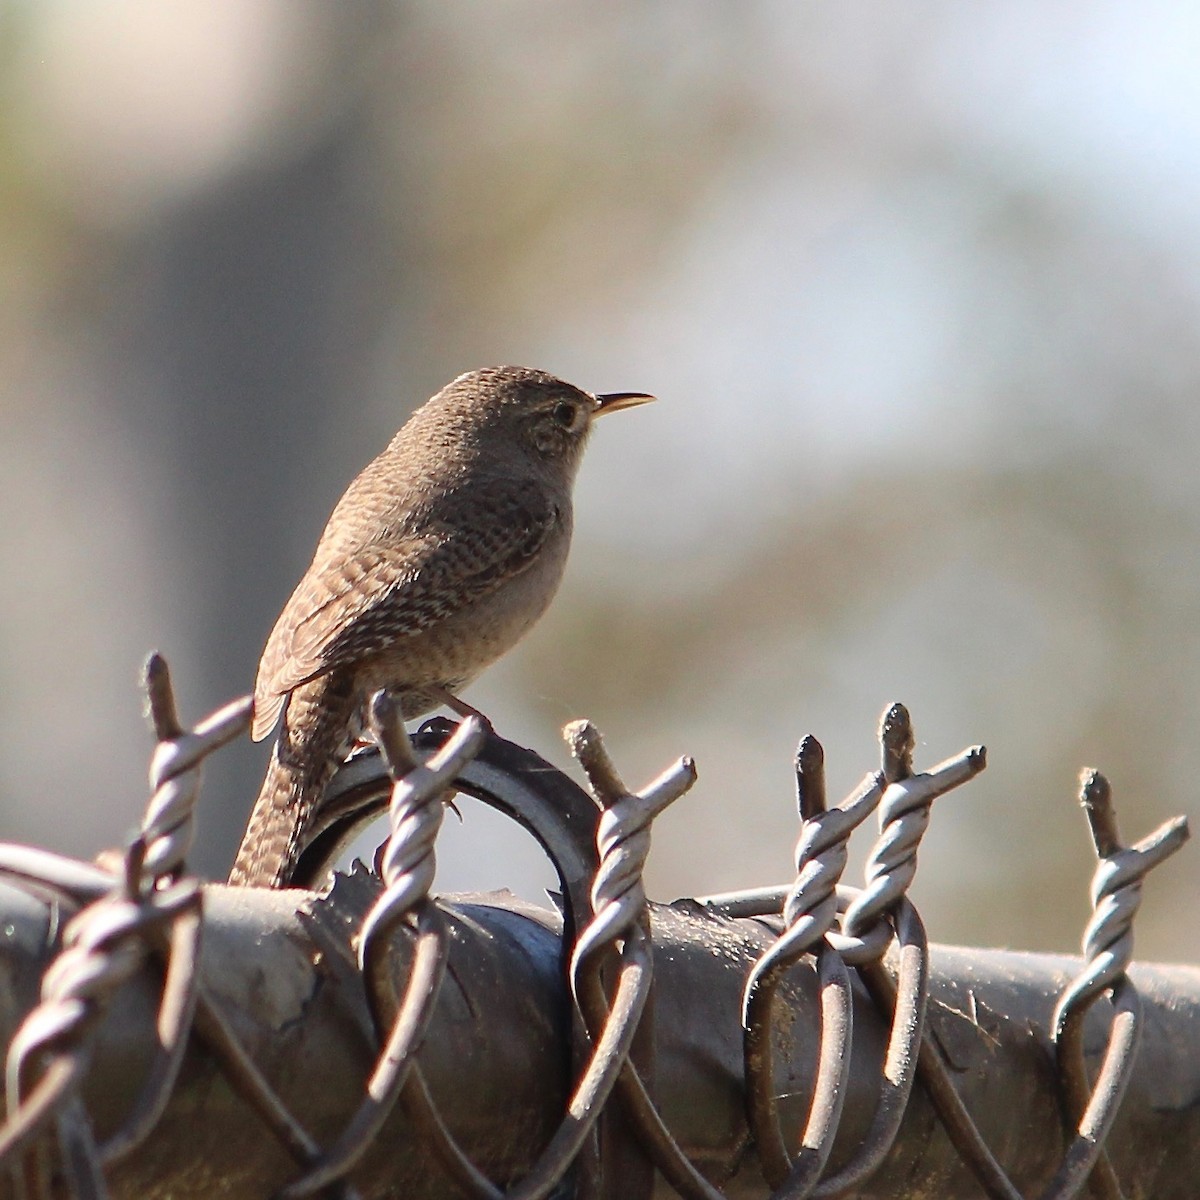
x=312, y=743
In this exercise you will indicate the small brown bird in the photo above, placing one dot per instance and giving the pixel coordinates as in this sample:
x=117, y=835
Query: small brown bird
x=441, y=555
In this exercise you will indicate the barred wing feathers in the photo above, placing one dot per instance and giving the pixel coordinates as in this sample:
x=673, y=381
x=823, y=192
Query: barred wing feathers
x=453, y=554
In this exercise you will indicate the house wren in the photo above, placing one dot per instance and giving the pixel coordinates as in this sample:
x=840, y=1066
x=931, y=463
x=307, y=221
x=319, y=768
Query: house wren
x=441, y=555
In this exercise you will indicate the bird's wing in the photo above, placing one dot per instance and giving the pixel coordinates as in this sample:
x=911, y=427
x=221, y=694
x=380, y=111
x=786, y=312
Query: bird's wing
x=347, y=609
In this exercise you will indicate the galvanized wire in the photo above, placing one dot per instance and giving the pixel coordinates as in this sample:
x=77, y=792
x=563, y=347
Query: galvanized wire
x=867, y=930
x=146, y=909
x=592, y=1090
x=1116, y=890
x=168, y=827
x=408, y=866
x=622, y=838
x=1116, y=895
x=904, y=812
x=902, y=1003
x=619, y=902
x=104, y=947
x=809, y=912
x=903, y=817
x=143, y=909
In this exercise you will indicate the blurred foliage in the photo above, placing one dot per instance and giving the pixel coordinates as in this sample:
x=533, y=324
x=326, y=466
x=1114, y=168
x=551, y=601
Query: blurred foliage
x=920, y=297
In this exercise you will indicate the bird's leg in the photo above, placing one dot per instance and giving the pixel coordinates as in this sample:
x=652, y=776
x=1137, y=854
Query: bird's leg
x=365, y=738
x=459, y=706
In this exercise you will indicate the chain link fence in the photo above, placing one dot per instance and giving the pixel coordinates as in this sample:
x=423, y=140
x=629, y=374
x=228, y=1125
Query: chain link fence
x=168, y=1038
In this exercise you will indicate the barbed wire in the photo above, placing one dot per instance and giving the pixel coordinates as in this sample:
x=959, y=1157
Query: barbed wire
x=809, y=914
x=1116, y=894
x=145, y=908
x=141, y=908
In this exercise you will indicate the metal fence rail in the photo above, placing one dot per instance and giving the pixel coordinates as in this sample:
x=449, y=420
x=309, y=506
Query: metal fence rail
x=171, y=1039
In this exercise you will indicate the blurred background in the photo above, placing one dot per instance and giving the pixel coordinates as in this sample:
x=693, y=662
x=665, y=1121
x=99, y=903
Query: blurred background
x=919, y=289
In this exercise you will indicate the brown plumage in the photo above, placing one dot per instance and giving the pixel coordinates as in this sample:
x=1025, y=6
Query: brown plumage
x=439, y=557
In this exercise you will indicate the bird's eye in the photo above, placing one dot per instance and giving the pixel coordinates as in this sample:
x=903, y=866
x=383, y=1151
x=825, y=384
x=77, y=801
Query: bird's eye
x=566, y=414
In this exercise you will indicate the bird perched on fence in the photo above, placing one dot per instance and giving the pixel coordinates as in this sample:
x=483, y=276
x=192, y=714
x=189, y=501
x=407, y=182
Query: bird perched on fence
x=440, y=556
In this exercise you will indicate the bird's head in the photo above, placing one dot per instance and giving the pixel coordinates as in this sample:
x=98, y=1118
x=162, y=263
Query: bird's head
x=528, y=416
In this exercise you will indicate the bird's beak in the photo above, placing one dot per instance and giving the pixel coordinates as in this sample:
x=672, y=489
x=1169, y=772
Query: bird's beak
x=608, y=402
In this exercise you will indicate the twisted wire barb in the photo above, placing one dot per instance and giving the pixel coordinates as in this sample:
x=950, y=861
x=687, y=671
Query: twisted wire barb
x=408, y=865
x=618, y=902
x=146, y=909
x=622, y=838
x=619, y=908
x=904, y=812
x=1116, y=895
x=167, y=832
x=1108, y=944
x=811, y=906
x=408, y=862
x=168, y=827
x=809, y=913
x=186, y=1001
x=903, y=817
x=166, y=835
